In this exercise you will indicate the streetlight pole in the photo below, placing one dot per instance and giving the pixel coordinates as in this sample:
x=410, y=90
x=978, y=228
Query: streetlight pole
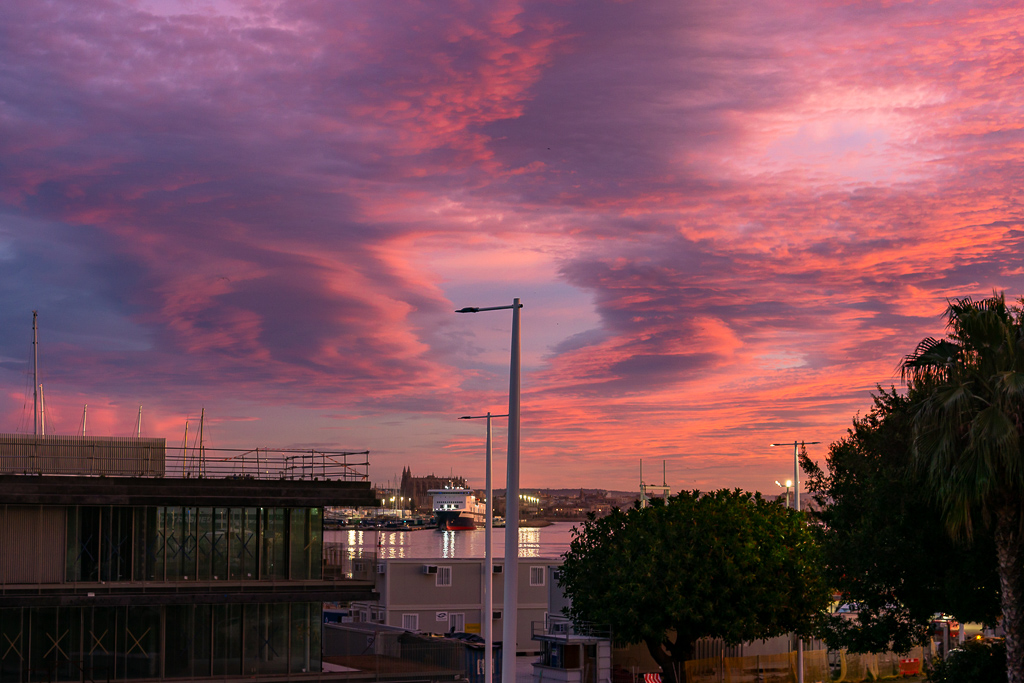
x=510, y=611
x=488, y=611
x=796, y=506
x=787, y=485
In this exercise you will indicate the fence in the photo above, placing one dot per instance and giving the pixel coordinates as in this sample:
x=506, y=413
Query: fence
x=781, y=668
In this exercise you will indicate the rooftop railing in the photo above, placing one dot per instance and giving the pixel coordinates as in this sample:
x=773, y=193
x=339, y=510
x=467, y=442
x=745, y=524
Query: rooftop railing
x=145, y=457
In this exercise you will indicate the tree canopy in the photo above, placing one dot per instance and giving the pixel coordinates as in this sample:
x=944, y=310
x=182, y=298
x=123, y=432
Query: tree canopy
x=724, y=564
x=968, y=430
x=885, y=546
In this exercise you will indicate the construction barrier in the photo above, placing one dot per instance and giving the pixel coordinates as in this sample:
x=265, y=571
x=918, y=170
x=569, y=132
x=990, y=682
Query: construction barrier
x=781, y=668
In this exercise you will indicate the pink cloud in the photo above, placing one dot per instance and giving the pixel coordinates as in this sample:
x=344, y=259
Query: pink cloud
x=727, y=222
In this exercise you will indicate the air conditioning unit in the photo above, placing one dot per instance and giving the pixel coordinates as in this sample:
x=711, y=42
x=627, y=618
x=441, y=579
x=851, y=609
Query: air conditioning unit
x=430, y=569
x=498, y=568
x=380, y=567
x=359, y=567
x=560, y=627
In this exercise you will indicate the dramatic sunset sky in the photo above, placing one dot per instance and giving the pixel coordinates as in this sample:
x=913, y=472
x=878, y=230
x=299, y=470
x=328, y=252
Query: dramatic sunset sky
x=727, y=221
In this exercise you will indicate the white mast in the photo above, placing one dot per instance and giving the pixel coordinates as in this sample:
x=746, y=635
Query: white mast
x=202, y=454
x=42, y=411
x=184, y=452
x=35, y=376
x=138, y=424
x=85, y=414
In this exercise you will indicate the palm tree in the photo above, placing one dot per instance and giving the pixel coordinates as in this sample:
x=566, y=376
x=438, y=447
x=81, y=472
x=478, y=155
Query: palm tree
x=968, y=438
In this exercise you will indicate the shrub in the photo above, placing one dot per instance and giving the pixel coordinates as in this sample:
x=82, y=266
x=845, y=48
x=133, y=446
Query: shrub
x=978, y=661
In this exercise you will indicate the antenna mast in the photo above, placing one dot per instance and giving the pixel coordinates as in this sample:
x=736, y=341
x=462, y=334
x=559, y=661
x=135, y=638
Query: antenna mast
x=35, y=375
x=202, y=453
x=42, y=411
x=184, y=452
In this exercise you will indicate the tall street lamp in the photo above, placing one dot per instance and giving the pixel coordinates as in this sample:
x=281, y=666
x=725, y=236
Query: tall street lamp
x=787, y=485
x=488, y=615
x=796, y=506
x=510, y=616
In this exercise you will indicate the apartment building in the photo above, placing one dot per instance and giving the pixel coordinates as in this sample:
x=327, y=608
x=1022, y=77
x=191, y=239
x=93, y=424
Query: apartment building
x=447, y=595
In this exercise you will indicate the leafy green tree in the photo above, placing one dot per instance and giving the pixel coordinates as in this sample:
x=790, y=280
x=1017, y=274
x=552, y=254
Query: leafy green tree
x=967, y=439
x=724, y=564
x=884, y=544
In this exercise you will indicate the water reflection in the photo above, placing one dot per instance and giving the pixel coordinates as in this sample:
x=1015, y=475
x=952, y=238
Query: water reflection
x=549, y=541
x=529, y=542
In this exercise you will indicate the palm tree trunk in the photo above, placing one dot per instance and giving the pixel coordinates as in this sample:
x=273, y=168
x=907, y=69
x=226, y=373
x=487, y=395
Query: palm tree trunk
x=1010, y=557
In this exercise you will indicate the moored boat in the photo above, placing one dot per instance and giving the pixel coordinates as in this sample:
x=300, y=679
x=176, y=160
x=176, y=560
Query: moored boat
x=457, y=509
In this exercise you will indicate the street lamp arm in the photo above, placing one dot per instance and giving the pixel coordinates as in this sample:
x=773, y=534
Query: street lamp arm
x=477, y=309
x=480, y=417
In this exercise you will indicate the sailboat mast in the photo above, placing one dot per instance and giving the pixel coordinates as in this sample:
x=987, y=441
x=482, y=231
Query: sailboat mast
x=35, y=375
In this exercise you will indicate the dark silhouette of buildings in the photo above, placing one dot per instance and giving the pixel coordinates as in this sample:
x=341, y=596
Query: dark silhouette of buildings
x=415, y=488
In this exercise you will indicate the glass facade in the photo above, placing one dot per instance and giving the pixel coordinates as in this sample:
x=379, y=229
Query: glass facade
x=175, y=543
x=175, y=641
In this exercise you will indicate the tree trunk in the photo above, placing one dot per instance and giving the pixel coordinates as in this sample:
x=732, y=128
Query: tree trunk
x=675, y=655
x=1010, y=558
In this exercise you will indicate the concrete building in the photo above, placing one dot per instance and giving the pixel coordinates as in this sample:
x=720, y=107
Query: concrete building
x=120, y=562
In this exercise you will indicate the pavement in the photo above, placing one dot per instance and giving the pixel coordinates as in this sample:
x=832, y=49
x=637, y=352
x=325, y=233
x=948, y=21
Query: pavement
x=524, y=668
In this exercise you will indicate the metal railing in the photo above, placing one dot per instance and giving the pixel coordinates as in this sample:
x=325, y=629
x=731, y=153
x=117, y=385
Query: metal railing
x=555, y=626
x=144, y=457
x=268, y=463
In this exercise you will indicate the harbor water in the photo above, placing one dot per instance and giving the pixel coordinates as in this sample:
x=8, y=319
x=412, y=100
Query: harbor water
x=547, y=542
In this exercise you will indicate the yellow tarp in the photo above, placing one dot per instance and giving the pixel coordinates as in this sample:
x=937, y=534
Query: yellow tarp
x=781, y=668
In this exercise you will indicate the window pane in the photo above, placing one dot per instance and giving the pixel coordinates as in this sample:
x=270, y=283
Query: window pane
x=188, y=544
x=297, y=543
x=72, y=564
x=315, y=624
x=87, y=548
x=99, y=633
x=274, y=636
x=13, y=640
x=201, y=641
x=173, y=522
x=204, y=543
x=116, y=544
x=69, y=646
x=275, y=565
x=219, y=543
x=140, y=543
x=299, y=656
x=227, y=640
x=178, y=641
x=141, y=642
x=155, y=543
x=250, y=640
x=316, y=543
